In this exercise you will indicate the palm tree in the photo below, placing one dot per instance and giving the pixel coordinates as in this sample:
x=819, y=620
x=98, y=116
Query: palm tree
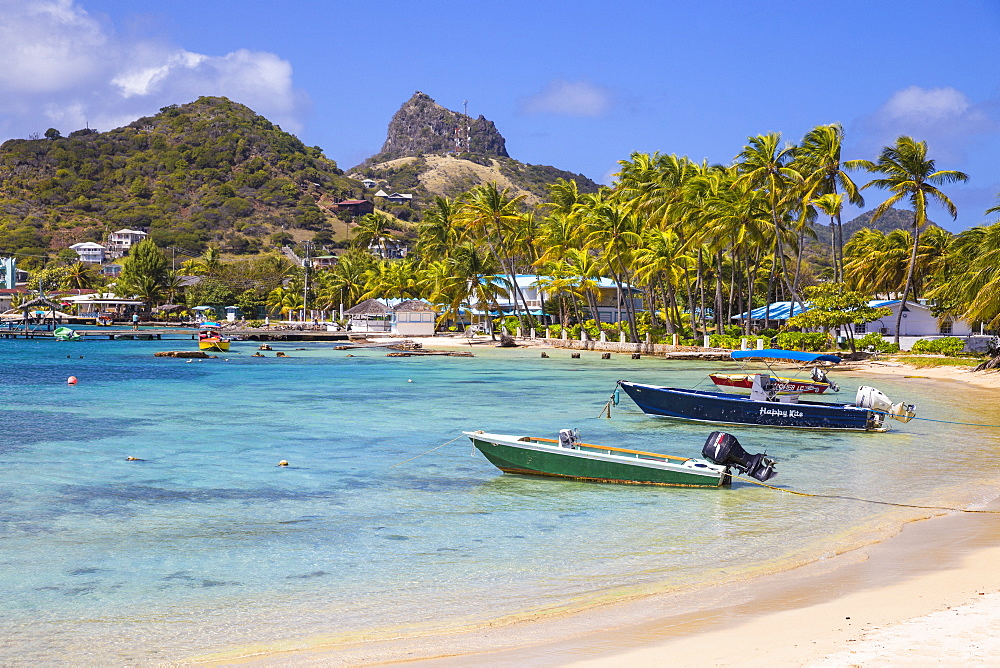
x=373, y=228
x=80, y=276
x=832, y=204
x=907, y=172
x=492, y=214
x=764, y=164
x=820, y=154
x=972, y=287
x=613, y=232
x=438, y=232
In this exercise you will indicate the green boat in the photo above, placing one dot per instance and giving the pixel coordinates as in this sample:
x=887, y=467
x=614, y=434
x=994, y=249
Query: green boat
x=567, y=457
x=66, y=334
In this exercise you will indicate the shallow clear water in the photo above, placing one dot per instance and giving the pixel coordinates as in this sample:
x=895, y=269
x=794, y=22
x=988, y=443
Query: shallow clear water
x=207, y=544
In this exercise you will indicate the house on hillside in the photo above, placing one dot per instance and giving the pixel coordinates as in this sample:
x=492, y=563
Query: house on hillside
x=88, y=251
x=388, y=249
x=369, y=183
x=120, y=242
x=354, y=207
x=400, y=198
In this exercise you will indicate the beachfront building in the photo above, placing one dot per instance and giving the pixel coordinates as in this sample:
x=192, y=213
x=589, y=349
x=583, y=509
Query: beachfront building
x=104, y=305
x=89, y=251
x=413, y=317
x=917, y=321
x=610, y=301
x=120, y=242
x=7, y=296
x=371, y=315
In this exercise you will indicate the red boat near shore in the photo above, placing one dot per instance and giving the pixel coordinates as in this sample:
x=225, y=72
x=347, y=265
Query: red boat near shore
x=744, y=381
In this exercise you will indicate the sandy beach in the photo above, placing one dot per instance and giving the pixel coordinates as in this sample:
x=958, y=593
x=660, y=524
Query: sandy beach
x=929, y=595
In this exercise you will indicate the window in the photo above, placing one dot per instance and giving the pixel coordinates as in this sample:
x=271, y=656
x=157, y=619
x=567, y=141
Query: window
x=860, y=328
x=946, y=327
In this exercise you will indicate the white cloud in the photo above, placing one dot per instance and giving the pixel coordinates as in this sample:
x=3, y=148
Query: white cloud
x=60, y=66
x=569, y=98
x=915, y=105
x=943, y=117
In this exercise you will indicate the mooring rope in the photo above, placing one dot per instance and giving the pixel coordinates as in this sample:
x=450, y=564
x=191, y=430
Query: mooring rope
x=426, y=453
x=857, y=498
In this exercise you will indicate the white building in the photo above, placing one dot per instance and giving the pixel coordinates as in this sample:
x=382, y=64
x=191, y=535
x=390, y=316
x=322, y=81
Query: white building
x=610, y=301
x=88, y=251
x=917, y=319
x=413, y=318
x=120, y=242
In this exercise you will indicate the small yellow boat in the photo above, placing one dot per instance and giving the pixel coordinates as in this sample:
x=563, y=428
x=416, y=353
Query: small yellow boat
x=210, y=338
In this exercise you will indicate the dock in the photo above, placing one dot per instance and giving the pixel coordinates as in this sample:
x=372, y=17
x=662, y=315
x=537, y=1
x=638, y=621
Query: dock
x=184, y=333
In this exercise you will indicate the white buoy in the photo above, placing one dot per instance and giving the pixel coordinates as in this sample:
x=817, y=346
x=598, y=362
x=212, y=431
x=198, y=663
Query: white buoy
x=409, y=380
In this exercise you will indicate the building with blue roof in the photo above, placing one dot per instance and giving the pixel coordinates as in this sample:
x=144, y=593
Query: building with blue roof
x=918, y=321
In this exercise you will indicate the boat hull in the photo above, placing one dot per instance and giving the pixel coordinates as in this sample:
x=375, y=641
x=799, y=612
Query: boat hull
x=587, y=462
x=723, y=408
x=744, y=381
x=214, y=345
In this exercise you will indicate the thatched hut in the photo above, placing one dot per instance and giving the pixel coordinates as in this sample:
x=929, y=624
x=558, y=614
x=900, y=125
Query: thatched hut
x=370, y=315
x=413, y=317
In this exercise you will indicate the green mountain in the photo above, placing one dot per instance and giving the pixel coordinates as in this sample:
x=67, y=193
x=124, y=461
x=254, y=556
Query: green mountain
x=211, y=171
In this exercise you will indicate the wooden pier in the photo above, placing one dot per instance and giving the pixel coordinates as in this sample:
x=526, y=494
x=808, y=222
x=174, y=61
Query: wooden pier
x=184, y=333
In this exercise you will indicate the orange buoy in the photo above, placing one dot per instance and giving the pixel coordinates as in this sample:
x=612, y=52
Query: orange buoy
x=71, y=380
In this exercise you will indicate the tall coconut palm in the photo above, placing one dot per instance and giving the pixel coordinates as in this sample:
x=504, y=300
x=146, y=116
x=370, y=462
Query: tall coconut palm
x=374, y=229
x=908, y=173
x=824, y=170
x=766, y=165
x=613, y=232
x=438, y=231
x=832, y=204
x=492, y=214
x=973, y=285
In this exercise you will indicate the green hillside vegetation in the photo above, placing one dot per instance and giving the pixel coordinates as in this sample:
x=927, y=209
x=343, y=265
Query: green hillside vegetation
x=211, y=171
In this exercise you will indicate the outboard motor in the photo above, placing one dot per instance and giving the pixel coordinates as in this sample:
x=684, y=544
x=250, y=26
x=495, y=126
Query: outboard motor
x=568, y=438
x=819, y=375
x=872, y=399
x=723, y=449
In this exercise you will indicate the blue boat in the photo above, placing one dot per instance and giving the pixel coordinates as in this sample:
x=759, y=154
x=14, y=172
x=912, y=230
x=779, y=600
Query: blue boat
x=767, y=407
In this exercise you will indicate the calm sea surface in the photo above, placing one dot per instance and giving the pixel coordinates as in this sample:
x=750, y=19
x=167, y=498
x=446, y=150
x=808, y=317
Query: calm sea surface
x=206, y=545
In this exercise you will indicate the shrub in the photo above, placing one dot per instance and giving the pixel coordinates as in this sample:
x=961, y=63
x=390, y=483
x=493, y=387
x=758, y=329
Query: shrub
x=811, y=341
x=875, y=342
x=949, y=346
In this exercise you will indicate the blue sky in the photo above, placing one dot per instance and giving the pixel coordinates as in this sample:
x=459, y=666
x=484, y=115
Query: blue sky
x=575, y=85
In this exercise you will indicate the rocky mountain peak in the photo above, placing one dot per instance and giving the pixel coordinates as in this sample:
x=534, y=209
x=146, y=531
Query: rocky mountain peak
x=423, y=126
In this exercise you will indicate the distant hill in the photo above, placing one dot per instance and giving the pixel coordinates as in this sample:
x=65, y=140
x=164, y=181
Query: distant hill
x=893, y=219
x=208, y=171
x=430, y=150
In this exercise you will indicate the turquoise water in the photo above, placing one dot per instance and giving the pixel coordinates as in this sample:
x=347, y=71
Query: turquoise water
x=206, y=545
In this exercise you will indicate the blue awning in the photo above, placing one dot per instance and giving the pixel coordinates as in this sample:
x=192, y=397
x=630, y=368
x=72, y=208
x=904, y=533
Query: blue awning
x=778, y=354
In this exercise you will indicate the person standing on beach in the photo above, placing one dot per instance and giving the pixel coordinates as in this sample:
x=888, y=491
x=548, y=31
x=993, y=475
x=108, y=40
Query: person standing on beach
x=135, y=322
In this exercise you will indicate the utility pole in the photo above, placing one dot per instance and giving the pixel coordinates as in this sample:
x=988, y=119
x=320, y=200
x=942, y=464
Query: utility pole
x=305, y=284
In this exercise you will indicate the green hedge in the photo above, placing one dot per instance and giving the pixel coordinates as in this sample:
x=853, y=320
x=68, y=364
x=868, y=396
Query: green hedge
x=949, y=345
x=810, y=341
x=876, y=342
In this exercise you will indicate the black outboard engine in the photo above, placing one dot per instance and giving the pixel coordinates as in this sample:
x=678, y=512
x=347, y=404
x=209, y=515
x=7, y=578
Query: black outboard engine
x=723, y=449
